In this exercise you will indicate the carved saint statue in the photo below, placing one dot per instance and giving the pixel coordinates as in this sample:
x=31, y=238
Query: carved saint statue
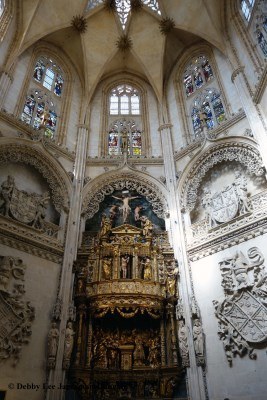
x=198, y=338
x=105, y=225
x=183, y=344
x=207, y=204
x=147, y=269
x=69, y=341
x=125, y=208
x=138, y=354
x=53, y=336
x=41, y=211
x=107, y=268
x=6, y=193
x=241, y=191
x=147, y=226
x=125, y=266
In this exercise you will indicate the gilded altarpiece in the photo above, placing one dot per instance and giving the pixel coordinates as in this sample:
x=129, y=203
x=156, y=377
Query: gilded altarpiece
x=125, y=295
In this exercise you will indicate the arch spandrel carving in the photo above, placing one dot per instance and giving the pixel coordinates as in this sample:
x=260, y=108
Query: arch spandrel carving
x=243, y=153
x=148, y=189
x=11, y=152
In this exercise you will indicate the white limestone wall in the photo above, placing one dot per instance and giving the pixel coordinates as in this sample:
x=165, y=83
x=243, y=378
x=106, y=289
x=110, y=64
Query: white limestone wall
x=153, y=123
x=13, y=96
x=71, y=129
x=229, y=88
x=41, y=280
x=95, y=124
x=246, y=379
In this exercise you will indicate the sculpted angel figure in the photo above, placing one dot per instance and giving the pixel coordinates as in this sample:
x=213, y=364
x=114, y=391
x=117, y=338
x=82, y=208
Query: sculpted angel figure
x=6, y=193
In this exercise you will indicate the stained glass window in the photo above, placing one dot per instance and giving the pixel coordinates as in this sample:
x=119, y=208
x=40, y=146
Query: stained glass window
x=207, y=105
x=49, y=74
x=2, y=6
x=246, y=8
x=197, y=73
x=124, y=100
x=134, y=135
x=39, y=110
x=261, y=33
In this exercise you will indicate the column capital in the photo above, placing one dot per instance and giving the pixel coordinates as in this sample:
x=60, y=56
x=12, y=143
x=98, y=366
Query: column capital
x=165, y=126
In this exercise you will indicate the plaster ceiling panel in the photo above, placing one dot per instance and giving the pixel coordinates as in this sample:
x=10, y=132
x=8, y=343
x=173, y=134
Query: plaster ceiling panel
x=148, y=47
x=194, y=17
x=50, y=16
x=29, y=8
x=99, y=46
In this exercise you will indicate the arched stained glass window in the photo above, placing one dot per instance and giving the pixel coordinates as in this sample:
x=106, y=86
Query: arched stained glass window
x=197, y=74
x=124, y=100
x=39, y=110
x=49, y=74
x=261, y=33
x=115, y=137
x=208, y=106
x=246, y=8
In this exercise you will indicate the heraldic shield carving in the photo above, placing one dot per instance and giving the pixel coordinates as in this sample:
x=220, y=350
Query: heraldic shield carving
x=16, y=315
x=225, y=204
x=243, y=313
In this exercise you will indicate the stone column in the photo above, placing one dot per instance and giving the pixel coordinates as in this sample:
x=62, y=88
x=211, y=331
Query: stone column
x=72, y=235
x=5, y=83
x=196, y=383
x=255, y=118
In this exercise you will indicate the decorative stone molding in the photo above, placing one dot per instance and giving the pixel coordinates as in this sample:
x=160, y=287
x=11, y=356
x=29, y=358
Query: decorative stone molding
x=236, y=72
x=243, y=313
x=243, y=153
x=16, y=313
x=10, y=152
x=142, y=186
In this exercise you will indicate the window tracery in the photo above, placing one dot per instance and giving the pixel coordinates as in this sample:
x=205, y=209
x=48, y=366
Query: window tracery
x=39, y=110
x=124, y=100
x=261, y=33
x=123, y=8
x=197, y=74
x=246, y=8
x=207, y=105
x=40, y=105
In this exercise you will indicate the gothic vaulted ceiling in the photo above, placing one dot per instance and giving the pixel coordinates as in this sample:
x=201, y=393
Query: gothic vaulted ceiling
x=95, y=53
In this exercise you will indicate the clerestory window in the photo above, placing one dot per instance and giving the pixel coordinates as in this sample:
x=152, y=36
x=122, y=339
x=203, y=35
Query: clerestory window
x=246, y=8
x=197, y=74
x=124, y=100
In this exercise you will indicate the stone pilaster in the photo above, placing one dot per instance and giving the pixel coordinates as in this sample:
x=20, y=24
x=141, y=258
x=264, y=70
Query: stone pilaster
x=5, y=83
x=195, y=376
x=57, y=376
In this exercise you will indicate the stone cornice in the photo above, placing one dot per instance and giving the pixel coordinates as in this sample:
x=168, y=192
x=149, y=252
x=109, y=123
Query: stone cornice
x=32, y=134
x=102, y=161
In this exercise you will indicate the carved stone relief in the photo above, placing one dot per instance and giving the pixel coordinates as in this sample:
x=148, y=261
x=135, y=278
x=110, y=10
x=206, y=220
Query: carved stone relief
x=16, y=314
x=145, y=188
x=243, y=313
x=244, y=154
x=28, y=155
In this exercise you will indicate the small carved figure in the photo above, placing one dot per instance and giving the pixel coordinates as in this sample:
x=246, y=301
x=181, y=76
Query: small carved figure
x=198, y=338
x=41, y=211
x=57, y=309
x=154, y=352
x=147, y=226
x=105, y=225
x=240, y=268
x=183, y=344
x=6, y=264
x=207, y=204
x=125, y=266
x=107, y=268
x=171, y=284
x=53, y=337
x=69, y=341
x=125, y=208
x=137, y=211
x=113, y=211
x=80, y=286
x=241, y=191
x=6, y=193
x=138, y=354
x=147, y=269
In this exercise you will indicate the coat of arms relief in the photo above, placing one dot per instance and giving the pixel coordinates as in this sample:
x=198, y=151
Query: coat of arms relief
x=243, y=313
x=232, y=201
x=16, y=314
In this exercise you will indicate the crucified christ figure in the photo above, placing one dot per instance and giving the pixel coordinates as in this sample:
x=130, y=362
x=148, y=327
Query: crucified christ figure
x=126, y=209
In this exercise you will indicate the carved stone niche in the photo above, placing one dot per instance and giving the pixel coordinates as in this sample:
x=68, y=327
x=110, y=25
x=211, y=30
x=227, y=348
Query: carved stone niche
x=26, y=197
x=242, y=314
x=224, y=194
x=16, y=314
